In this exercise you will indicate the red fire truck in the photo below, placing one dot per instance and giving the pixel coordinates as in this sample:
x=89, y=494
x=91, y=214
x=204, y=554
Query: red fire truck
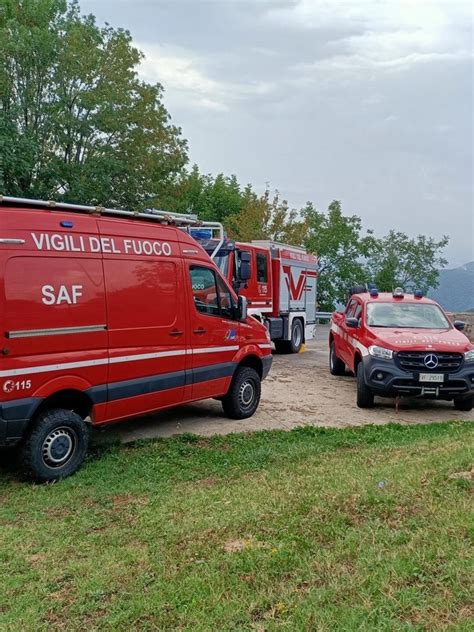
x=399, y=344
x=279, y=282
x=106, y=314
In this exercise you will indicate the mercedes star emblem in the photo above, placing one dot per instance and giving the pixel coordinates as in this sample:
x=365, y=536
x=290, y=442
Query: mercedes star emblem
x=431, y=361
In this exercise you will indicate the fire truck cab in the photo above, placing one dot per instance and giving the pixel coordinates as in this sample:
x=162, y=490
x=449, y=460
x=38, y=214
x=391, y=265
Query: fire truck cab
x=107, y=314
x=401, y=345
x=279, y=283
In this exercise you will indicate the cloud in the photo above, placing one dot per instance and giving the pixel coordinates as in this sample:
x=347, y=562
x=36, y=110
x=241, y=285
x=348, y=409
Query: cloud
x=187, y=77
x=388, y=36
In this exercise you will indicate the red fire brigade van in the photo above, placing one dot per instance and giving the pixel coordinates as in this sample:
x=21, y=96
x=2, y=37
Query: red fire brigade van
x=279, y=282
x=400, y=345
x=106, y=314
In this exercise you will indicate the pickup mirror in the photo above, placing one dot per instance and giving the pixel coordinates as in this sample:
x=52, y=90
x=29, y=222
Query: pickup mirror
x=245, y=271
x=242, y=307
x=352, y=322
x=459, y=325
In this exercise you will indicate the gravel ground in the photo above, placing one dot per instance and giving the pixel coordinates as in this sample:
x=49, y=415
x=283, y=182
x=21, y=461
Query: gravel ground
x=298, y=391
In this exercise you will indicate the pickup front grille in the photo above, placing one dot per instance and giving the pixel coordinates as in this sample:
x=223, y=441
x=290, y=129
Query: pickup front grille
x=415, y=361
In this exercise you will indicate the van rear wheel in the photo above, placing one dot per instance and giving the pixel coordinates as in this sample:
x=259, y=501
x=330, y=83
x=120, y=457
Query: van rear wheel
x=243, y=396
x=55, y=446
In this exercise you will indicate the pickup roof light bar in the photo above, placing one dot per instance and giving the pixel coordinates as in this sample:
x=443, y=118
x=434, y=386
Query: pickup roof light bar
x=181, y=220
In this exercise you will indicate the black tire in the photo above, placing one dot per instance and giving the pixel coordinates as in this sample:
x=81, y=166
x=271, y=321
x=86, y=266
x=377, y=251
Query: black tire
x=463, y=404
x=365, y=397
x=55, y=446
x=336, y=366
x=297, y=336
x=243, y=396
x=296, y=341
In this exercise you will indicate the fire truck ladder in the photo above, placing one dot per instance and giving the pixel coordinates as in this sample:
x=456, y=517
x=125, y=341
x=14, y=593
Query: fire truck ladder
x=184, y=221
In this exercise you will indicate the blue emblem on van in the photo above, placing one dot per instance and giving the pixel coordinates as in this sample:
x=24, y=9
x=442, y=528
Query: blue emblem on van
x=231, y=334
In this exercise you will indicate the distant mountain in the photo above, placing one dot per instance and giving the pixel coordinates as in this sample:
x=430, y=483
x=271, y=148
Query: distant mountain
x=455, y=291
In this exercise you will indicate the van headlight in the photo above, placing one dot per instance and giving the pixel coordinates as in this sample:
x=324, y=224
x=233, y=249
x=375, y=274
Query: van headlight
x=469, y=356
x=381, y=352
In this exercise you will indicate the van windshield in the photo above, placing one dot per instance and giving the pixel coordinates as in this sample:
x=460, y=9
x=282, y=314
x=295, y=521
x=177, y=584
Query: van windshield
x=406, y=315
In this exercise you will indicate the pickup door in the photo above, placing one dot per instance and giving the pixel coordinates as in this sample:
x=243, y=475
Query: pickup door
x=348, y=335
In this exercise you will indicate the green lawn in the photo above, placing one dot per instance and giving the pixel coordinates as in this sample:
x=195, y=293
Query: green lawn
x=357, y=529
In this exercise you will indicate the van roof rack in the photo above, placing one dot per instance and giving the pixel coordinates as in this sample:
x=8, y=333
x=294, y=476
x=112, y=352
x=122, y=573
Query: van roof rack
x=181, y=220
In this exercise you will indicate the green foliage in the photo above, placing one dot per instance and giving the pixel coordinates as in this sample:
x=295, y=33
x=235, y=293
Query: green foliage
x=397, y=260
x=341, y=247
x=76, y=122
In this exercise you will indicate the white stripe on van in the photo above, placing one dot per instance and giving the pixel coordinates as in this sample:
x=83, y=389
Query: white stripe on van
x=101, y=361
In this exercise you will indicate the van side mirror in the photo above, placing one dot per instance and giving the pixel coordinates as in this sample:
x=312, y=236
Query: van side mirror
x=352, y=322
x=459, y=325
x=245, y=271
x=242, y=307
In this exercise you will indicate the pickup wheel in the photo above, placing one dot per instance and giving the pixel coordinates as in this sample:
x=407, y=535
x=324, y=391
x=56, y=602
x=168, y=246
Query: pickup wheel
x=55, y=446
x=365, y=397
x=336, y=366
x=463, y=404
x=243, y=396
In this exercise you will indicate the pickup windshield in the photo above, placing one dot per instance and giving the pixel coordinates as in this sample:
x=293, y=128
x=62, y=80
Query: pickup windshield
x=406, y=315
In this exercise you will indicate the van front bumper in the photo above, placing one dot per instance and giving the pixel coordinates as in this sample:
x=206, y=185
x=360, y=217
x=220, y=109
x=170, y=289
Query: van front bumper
x=396, y=381
x=14, y=419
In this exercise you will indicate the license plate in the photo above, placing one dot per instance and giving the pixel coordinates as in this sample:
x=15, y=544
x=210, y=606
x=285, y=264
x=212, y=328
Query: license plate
x=431, y=377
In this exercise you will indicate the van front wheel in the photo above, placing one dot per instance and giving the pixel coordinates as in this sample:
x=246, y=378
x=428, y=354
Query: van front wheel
x=55, y=447
x=243, y=396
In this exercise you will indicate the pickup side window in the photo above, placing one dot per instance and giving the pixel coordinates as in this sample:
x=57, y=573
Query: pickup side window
x=350, y=309
x=262, y=272
x=358, y=311
x=210, y=293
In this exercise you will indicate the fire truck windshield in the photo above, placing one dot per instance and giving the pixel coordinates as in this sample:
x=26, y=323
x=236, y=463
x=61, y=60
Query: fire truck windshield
x=406, y=315
x=222, y=262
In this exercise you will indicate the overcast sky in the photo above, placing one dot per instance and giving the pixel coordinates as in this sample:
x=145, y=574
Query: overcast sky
x=369, y=101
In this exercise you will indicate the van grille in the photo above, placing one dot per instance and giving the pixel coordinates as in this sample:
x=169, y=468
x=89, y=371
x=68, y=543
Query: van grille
x=415, y=361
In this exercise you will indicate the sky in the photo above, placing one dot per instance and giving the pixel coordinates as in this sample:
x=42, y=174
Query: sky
x=369, y=101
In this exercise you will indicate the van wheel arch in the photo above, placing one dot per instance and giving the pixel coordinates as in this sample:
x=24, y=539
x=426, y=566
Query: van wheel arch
x=253, y=362
x=68, y=399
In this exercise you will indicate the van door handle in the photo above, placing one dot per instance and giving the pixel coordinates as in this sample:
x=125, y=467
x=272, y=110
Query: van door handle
x=199, y=331
x=176, y=332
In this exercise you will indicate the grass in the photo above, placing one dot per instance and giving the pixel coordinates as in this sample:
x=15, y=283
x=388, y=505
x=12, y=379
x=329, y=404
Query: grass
x=314, y=529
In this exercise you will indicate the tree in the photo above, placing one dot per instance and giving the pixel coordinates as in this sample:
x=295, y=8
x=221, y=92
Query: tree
x=397, y=260
x=266, y=217
x=341, y=248
x=75, y=121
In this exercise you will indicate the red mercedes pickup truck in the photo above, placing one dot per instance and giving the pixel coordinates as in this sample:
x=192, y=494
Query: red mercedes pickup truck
x=402, y=345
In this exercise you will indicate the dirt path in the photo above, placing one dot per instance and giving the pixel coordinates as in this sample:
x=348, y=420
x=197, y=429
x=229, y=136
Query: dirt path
x=299, y=391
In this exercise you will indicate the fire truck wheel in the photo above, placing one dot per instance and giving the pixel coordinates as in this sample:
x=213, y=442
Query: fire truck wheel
x=463, y=404
x=365, y=397
x=55, y=446
x=296, y=341
x=336, y=366
x=243, y=396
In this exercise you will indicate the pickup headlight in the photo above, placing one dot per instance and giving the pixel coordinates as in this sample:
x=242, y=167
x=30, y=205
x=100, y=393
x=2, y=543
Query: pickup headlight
x=469, y=355
x=381, y=352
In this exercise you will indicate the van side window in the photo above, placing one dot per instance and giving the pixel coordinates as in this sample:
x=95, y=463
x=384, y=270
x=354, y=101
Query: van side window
x=262, y=273
x=203, y=283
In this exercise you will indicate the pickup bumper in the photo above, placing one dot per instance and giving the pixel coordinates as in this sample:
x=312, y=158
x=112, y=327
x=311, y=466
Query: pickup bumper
x=14, y=418
x=386, y=379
